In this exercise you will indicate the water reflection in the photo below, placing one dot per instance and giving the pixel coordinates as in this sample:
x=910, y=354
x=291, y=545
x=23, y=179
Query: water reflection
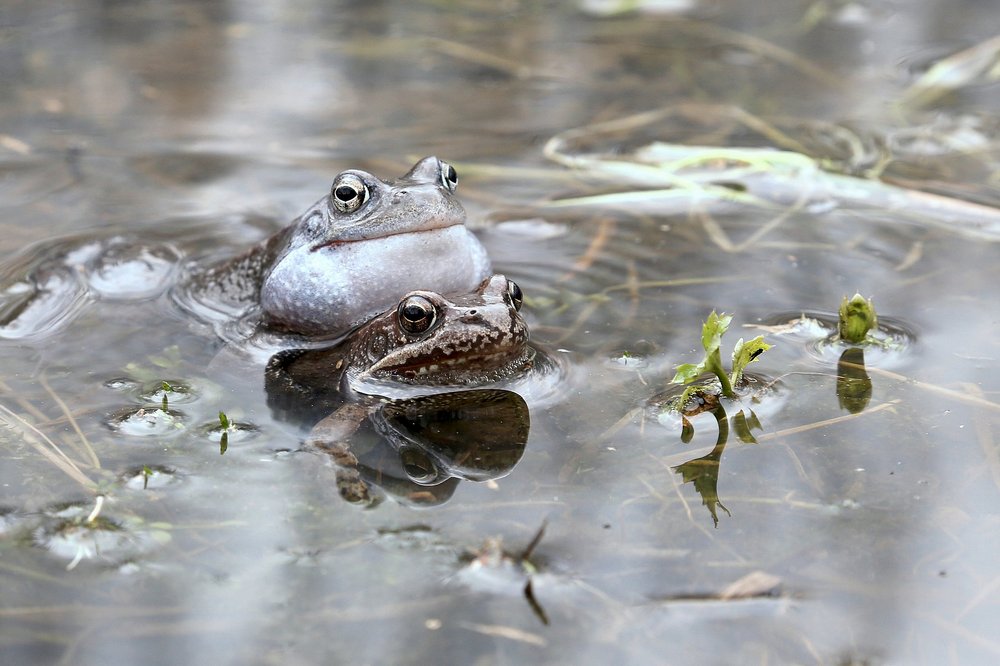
x=703, y=472
x=854, y=386
x=416, y=449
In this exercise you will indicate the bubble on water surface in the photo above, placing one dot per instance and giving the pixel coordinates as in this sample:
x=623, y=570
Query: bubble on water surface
x=151, y=477
x=36, y=307
x=236, y=432
x=81, y=531
x=132, y=271
x=146, y=421
x=175, y=391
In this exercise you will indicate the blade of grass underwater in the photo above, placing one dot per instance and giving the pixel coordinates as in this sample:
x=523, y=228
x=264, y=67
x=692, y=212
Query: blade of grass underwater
x=46, y=447
x=981, y=61
x=772, y=180
x=684, y=197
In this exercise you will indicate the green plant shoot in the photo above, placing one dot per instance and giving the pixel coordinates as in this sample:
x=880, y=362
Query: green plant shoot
x=857, y=318
x=711, y=340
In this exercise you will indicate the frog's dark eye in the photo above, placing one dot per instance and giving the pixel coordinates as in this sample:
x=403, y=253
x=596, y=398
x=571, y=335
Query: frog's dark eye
x=449, y=177
x=516, y=297
x=349, y=193
x=416, y=314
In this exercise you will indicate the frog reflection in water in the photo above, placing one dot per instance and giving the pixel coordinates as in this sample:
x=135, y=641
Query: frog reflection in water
x=419, y=351
x=353, y=254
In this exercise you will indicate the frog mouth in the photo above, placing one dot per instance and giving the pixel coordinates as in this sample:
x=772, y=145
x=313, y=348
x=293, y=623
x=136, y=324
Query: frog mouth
x=471, y=365
x=427, y=226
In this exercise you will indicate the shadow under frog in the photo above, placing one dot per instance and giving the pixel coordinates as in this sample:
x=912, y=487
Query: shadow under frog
x=348, y=257
x=414, y=376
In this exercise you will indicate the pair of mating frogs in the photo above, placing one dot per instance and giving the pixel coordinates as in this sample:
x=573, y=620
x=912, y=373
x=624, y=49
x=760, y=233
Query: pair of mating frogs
x=358, y=253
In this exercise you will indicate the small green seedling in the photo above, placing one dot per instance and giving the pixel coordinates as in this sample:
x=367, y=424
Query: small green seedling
x=227, y=425
x=857, y=319
x=711, y=340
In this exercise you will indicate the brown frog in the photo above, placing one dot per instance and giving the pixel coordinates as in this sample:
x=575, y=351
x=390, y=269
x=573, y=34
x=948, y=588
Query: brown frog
x=427, y=344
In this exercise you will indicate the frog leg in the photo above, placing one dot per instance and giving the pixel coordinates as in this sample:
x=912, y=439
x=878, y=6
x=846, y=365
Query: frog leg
x=332, y=435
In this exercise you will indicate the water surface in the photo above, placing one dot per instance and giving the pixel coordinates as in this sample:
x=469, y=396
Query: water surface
x=852, y=531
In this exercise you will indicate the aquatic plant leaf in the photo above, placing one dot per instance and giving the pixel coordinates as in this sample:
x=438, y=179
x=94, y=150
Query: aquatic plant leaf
x=857, y=318
x=688, y=372
x=714, y=328
x=224, y=421
x=745, y=353
x=711, y=339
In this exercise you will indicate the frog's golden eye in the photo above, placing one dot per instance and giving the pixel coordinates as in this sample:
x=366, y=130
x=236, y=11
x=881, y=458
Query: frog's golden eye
x=516, y=297
x=349, y=193
x=449, y=177
x=416, y=314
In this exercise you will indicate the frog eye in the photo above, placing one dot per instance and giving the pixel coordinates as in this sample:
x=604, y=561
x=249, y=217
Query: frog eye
x=449, y=177
x=515, y=294
x=416, y=314
x=349, y=193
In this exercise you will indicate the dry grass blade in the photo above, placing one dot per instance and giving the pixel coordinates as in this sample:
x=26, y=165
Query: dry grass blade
x=41, y=442
x=826, y=422
x=88, y=450
x=959, y=396
x=956, y=71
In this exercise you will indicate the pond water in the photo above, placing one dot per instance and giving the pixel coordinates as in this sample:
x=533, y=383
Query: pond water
x=847, y=516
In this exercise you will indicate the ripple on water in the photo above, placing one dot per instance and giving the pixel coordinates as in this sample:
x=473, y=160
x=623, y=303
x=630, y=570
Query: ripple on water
x=151, y=477
x=71, y=533
x=148, y=421
x=817, y=332
x=41, y=305
x=10, y=520
x=235, y=432
x=130, y=270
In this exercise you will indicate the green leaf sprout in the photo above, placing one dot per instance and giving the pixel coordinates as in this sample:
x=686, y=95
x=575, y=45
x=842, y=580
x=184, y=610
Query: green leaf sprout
x=857, y=318
x=711, y=340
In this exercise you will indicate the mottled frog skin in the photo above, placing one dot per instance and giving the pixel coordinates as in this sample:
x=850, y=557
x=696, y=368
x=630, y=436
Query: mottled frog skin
x=427, y=340
x=353, y=254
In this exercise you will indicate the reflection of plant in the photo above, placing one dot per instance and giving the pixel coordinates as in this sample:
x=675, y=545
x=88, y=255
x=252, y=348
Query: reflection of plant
x=703, y=472
x=856, y=319
x=711, y=340
x=854, y=386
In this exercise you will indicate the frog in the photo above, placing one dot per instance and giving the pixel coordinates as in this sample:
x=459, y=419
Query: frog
x=431, y=350
x=351, y=255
